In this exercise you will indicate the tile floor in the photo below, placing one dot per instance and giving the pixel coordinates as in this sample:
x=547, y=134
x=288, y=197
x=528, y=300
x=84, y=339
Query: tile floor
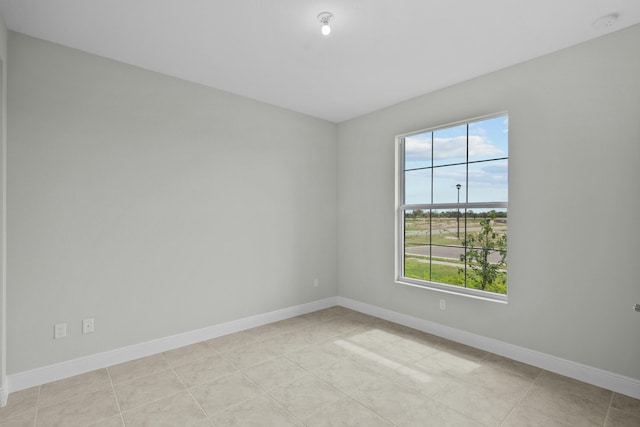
x=333, y=367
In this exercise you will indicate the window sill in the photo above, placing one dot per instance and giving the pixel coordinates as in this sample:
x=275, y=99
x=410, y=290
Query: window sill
x=454, y=290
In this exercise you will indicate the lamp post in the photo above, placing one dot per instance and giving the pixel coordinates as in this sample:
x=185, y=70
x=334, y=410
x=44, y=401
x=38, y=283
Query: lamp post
x=458, y=187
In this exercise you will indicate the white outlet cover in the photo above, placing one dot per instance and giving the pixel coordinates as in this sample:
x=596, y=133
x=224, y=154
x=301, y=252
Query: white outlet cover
x=87, y=326
x=59, y=330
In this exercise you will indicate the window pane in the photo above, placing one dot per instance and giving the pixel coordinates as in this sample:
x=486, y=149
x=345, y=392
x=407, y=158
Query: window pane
x=417, y=186
x=488, y=181
x=450, y=145
x=485, y=256
x=445, y=184
x=417, y=151
x=447, y=228
x=416, y=244
x=488, y=139
x=488, y=276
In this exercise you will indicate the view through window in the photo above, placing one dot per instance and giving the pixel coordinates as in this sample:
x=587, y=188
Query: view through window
x=452, y=207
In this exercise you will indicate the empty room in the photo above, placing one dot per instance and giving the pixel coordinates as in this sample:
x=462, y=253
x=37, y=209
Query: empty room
x=319, y=213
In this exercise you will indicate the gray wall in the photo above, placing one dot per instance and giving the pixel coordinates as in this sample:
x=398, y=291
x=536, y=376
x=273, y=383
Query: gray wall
x=158, y=206
x=155, y=205
x=573, y=211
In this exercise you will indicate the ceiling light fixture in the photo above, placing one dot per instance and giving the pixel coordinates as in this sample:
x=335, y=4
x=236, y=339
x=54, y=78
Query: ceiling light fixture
x=325, y=18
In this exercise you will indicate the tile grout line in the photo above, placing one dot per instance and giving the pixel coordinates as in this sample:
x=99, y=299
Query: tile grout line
x=267, y=394
x=115, y=395
x=533, y=383
x=35, y=421
x=351, y=397
x=188, y=390
x=606, y=417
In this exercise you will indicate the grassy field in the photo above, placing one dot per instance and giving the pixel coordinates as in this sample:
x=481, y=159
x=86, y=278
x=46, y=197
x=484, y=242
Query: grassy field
x=449, y=274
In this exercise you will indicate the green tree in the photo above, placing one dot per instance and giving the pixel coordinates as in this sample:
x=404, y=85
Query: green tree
x=479, y=246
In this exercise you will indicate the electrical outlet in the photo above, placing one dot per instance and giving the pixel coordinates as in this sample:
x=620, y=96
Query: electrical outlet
x=316, y=282
x=87, y=326
x=443, y=304
x=59, y=330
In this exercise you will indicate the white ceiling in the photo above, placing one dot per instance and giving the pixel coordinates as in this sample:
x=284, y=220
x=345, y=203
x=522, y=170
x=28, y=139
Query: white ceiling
x=380, y=52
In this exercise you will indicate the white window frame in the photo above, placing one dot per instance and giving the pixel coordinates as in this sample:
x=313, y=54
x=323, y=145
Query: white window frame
x=399, y=218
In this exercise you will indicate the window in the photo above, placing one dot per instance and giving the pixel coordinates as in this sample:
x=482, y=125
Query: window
x=451, y=212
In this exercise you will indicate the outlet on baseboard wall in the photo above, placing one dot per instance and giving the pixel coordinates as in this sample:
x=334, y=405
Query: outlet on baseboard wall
x=443, y=304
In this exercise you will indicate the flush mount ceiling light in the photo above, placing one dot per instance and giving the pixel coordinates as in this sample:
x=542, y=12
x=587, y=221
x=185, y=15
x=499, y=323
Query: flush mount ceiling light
x=325, y=18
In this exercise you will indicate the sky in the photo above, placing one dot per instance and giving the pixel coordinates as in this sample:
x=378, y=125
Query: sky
x=485, y=181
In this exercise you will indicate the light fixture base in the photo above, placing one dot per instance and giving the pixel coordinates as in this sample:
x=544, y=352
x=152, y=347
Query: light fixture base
x=607, y=21
x=325, y=17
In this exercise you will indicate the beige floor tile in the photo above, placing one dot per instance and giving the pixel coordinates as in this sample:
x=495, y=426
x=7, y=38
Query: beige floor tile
x=224, y=392
x=343, y=324
x=204, y=370
x=476, y=402
x=388, y=399
x=288, y=342
x=77, y=386
x=275, y=373
x=515, y=367
x=416, y=379
x=419, y=337
x=346, y=412
x=25, y=419
x=618, y=418
x=260, y=411
x=264, y=332
x=80, y=411
x=402, y=352
x=306, y=395
x=442, y=363
x=144, y=390
x=565, y=407
x=293, y=324
x=115, y=421
x=370, y=338
x=461, y=350
x=523, y=416
x=252, y=354
x=318, y=355
x=346, y=374
x=319, y=333
x=560, y=384
x=626, y=404
x=137, y=368
x=433, y=414
x=188, y=354
x=498, y=380
x=20, y=402
x=177, y=410
x=233, y=341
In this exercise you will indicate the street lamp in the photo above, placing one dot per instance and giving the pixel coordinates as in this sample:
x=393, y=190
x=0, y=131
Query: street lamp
x=458, y=187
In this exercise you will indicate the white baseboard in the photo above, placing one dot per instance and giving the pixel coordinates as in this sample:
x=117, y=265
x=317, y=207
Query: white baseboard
x=611, y=381
x=46, y=374
x=588, y=374
x=4, y=395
